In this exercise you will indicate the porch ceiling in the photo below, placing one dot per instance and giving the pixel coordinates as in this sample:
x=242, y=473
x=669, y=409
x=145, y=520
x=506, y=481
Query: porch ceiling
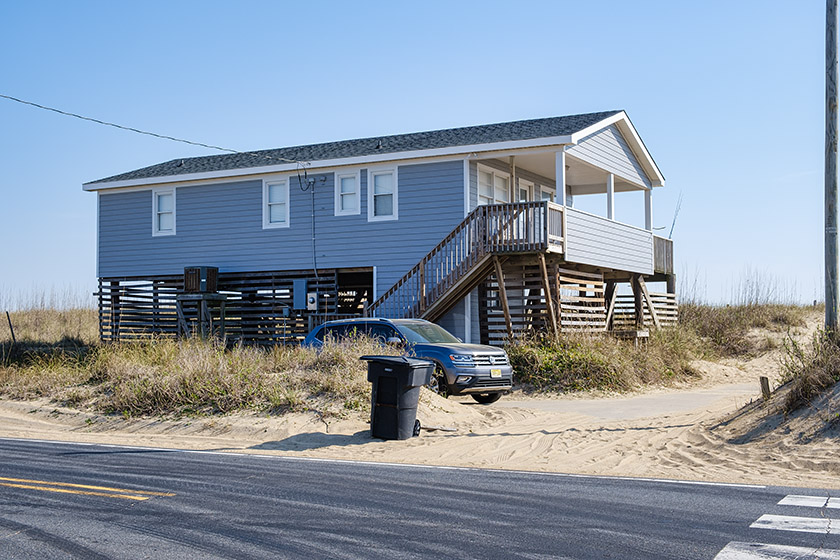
x=582, y=177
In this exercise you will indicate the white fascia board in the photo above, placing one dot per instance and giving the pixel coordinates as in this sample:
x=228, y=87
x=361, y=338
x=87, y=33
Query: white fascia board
x=340, y=162
x=622, y=121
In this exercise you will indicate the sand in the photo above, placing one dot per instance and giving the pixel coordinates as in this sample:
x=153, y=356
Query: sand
x=693, y=432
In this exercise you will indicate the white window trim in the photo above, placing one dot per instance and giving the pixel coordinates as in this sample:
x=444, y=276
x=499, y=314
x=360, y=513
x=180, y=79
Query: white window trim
x=155, y=192
x=370, y=174
x=493, y=171
x=265, y=211
x=338, y=176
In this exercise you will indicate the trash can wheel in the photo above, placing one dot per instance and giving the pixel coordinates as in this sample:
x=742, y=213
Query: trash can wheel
x=416, y=428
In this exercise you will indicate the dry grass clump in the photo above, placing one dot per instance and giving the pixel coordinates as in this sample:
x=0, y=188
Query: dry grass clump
x=579, y=362
x=196, y=376
x=67, y=327
x=726, y=328
x=810, y=370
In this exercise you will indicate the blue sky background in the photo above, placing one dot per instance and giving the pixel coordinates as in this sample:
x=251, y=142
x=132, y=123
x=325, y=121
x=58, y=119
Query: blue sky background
x=728, y=97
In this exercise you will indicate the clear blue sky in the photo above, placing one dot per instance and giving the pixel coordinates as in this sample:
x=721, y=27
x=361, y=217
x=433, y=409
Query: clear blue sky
x=728, y=97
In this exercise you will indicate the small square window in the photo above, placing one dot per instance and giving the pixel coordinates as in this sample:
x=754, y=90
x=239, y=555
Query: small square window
x=275, y=204
x=163, y=212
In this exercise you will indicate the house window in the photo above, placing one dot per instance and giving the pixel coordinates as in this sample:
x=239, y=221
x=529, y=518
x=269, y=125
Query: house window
x=382, y=190
x=493, y=186
x=275, y=204
x=347, y=194
x=163, y=212
x=525, y=191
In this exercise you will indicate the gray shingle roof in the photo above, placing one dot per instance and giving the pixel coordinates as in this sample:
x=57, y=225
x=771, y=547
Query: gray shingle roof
x=465, y=136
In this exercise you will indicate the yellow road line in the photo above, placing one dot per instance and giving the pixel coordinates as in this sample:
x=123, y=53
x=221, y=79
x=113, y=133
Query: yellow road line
x=86, y=486
x=68, y=491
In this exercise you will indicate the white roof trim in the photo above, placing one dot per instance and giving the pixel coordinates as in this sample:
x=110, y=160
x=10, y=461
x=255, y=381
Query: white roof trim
x=339, y=162
x=622, y=121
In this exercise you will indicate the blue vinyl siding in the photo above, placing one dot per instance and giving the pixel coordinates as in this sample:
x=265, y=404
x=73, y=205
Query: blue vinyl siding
x=221, y=225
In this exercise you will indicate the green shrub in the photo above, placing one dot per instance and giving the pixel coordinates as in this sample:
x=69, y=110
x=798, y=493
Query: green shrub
x=575, y=362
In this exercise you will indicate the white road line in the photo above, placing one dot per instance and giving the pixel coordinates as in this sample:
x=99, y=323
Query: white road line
x=759, y=551
x=386, y=464
x=811, y=501
x=799, y=524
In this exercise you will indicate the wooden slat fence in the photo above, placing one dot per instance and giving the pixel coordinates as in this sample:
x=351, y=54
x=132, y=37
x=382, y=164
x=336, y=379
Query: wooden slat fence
x=581, y=297
x=259, y=306
x=578, y=297
x=624, y=318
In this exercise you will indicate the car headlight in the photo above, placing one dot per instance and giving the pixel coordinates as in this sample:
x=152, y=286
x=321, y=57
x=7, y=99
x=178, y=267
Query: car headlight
x=462, y=360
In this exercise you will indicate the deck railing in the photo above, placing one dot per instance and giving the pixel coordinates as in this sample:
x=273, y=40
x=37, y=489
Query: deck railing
x=491, y=229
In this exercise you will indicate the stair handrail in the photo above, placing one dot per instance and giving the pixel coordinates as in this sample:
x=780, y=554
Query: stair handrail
x=477, y=247
x=481, y=243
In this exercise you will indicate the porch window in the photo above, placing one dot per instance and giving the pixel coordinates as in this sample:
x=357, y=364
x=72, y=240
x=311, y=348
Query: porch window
x=163, y=212
x=382, y=188
x=275, y=204
x=525, y=191
x=347, y=193
x=493, y=187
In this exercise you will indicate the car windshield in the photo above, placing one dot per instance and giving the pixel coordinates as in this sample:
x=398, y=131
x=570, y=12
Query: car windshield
x=425, y=333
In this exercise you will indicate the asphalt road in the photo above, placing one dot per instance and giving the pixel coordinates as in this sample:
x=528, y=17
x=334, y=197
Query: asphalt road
x=61, y=500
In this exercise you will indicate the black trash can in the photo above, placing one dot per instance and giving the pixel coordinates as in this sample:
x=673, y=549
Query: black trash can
x=395, y=393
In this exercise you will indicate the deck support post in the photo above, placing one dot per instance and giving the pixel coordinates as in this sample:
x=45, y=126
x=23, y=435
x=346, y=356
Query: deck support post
x=638, y=309
x=671, y=283
x=610, y=196
x=560, y=178
x=549, y=300
x=610, y=296
x=649, y=209
x=500, y=281
x=649, y=301
x=115, y=310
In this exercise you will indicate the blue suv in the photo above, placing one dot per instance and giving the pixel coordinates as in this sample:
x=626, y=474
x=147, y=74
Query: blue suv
x=483, y=372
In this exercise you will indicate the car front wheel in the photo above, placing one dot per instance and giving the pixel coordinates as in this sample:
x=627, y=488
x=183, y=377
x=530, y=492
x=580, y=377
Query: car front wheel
x=438, y=383
x=487, y=399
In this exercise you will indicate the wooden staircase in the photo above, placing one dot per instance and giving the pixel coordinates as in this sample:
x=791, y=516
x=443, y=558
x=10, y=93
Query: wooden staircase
x=465, y=257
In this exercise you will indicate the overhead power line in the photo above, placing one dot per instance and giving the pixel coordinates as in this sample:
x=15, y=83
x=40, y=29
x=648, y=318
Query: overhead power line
x=137, y=130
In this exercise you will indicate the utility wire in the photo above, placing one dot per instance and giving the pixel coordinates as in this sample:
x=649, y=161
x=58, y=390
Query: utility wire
x=137, y=130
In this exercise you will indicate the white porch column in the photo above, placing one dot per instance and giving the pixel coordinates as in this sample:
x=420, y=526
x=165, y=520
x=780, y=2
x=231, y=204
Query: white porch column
x=649, y=210
x=560, y=177
x=610, y=196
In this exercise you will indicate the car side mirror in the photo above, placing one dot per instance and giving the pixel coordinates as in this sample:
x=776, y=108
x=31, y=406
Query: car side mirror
x=394, y=341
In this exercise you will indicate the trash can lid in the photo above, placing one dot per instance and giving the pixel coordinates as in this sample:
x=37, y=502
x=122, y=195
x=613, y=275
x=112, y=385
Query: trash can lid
x=398, y=360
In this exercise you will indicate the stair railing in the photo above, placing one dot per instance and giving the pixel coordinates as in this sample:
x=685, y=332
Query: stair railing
x=489, y=229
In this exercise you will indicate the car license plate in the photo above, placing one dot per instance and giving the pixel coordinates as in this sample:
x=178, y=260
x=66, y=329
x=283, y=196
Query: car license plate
x=495, y=373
